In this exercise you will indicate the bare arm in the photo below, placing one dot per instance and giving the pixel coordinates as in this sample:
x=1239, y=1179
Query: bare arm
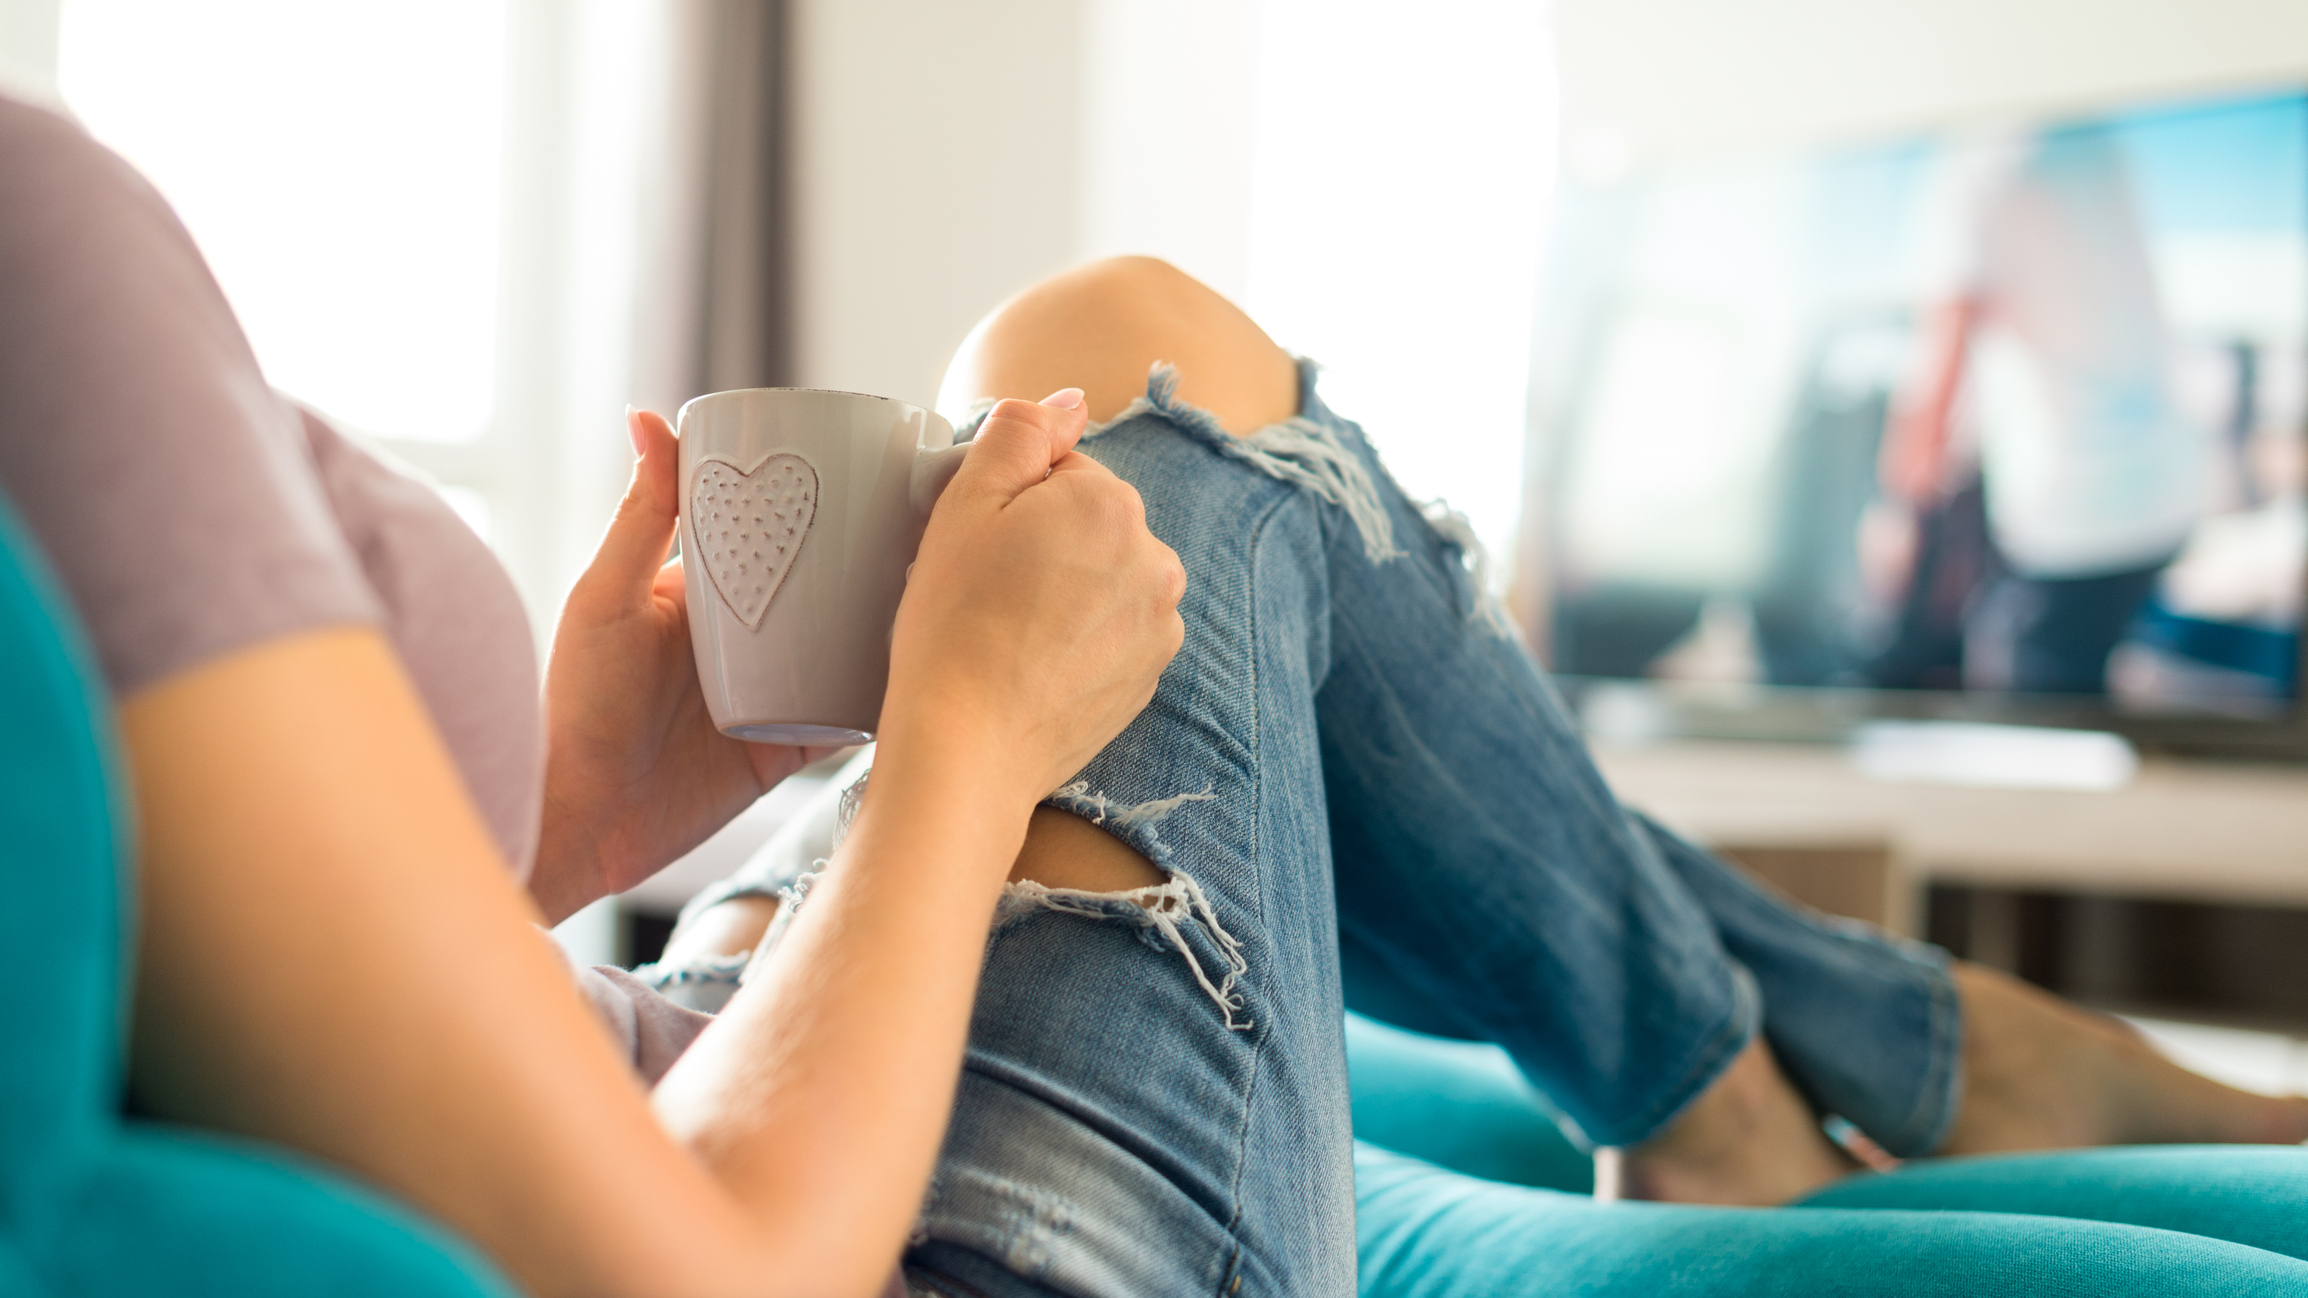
x=333, y=956
x=879, y=970
x=1913, y=462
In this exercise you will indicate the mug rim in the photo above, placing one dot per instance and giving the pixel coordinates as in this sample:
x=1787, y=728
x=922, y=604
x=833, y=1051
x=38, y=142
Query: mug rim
x=931, y=411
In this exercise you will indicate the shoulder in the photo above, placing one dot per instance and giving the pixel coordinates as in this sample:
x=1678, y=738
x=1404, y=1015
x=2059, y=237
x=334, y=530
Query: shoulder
x=94, y=264
x=169, y=485
x=63, y=195
x=39, y=142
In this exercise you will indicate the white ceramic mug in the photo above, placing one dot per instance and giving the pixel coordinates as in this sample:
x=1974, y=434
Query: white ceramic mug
x=800, y=512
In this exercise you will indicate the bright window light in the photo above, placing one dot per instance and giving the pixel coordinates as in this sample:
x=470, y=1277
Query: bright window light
x=1405, y=160
x=340, y=165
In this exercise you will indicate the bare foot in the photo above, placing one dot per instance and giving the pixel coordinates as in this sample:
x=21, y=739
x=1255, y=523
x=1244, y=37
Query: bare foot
x=2040, y=1073
x=1748, y=1140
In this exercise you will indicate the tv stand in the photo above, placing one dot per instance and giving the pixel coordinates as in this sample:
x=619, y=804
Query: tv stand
x=2179, y=830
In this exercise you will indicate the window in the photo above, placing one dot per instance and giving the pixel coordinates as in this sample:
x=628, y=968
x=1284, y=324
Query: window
x=342, y=168
x=1397, y=214
x=427, y=215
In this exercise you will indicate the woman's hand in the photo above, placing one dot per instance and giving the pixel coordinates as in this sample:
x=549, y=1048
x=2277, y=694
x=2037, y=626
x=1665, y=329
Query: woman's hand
x=1038, y=616
x=1040, y=612
x=635, y=773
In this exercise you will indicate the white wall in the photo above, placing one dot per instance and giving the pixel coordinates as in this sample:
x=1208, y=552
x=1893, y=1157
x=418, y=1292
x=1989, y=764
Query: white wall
x=1319, y=161
x=1367, y=179
x=28, y=34
x=28, y=48
x=934, y=168
x=1646, y=76
x=1404, y=164
x=1169, y=122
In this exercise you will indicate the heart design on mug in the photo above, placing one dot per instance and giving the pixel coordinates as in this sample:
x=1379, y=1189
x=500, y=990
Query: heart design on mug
x=749, y=525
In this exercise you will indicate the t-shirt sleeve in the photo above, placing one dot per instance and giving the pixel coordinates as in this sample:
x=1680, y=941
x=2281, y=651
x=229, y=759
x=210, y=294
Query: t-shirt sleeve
x=1968, y=184
x=651, y=1031
x=170, y=487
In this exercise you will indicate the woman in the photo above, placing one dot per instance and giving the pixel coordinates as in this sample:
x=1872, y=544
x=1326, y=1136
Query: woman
x=327, y=698
x=1349, y=765
x=323, y=693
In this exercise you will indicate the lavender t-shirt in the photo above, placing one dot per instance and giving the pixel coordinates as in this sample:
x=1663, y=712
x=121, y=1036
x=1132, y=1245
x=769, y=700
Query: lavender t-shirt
x=193, y=512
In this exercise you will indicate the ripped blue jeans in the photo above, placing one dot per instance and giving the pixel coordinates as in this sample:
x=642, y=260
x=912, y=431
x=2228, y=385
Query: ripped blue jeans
x=1365, y=794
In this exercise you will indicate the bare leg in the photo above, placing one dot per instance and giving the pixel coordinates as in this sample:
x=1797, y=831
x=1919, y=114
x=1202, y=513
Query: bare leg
x=1100, y=327
x=2040, y=1073
x=731, y=927
x=1748, y=1140
x=1062, y=851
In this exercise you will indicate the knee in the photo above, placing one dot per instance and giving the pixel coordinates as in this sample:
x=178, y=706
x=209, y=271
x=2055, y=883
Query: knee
x=1101, y=326
x=1133, y=285
x=1112, y=301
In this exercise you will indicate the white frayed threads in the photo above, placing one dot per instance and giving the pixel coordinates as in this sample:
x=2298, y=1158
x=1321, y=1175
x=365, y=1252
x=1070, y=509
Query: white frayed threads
x=1300, y=451
x=790, y=899
x=1452, y=526
x=1163, y=906
x=845, y=811
x=1098, y=809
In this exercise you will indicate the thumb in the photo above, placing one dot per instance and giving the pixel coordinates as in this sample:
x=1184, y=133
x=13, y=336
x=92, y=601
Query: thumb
x=641, y=532
x=1019, y=443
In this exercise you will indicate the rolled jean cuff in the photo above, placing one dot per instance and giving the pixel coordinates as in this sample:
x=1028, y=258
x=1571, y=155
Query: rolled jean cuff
x=1939, y=1092
x=1707, y=1063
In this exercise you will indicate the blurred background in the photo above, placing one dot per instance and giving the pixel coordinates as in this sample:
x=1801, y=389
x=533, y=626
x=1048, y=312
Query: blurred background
x=1595, y=273
x=474, y=229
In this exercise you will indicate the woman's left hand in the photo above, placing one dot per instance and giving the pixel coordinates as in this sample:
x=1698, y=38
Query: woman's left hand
x=635, y=773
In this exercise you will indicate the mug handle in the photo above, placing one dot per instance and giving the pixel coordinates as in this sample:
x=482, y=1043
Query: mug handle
x=932, y=471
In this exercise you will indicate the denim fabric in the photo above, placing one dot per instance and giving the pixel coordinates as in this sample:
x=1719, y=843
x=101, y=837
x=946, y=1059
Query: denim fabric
x=1350, y=748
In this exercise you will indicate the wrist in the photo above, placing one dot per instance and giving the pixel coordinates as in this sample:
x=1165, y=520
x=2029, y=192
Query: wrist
x=567, y=873
x=957, y=738
x=961, y=780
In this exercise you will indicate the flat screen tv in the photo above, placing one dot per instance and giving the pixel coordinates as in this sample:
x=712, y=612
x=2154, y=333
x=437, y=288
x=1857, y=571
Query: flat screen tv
x=1999, y=422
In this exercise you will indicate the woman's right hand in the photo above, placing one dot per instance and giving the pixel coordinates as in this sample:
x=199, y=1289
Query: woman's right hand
x=1040, y=612
x=1038, y=616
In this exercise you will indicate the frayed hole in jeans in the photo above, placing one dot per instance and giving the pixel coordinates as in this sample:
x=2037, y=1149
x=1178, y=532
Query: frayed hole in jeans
x=1162, y=907
x=1304, y=452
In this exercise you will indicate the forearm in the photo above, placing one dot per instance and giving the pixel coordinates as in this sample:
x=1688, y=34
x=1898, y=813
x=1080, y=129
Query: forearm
x=821, y=1094
x=566, y=877
x=297, y=814
x=1915, y=443
x=1037, y=617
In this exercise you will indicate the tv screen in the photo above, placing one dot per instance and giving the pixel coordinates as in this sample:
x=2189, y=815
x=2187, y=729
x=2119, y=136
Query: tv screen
x=2014, y=415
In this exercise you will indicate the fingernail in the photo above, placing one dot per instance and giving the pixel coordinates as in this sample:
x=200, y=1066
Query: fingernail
x=1064, y=398
x=633, y=431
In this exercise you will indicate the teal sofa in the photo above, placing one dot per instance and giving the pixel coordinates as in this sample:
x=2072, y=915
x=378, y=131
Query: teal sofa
x=1465, y=1186
x=1468, y=1188
x=93, y=1202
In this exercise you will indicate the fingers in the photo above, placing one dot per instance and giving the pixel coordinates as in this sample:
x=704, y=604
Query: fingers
x=668, y=582
x=1020, y=443
x=641, y=532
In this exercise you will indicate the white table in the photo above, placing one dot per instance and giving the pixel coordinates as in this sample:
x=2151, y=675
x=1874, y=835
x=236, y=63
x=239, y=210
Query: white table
x=2180, y=831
